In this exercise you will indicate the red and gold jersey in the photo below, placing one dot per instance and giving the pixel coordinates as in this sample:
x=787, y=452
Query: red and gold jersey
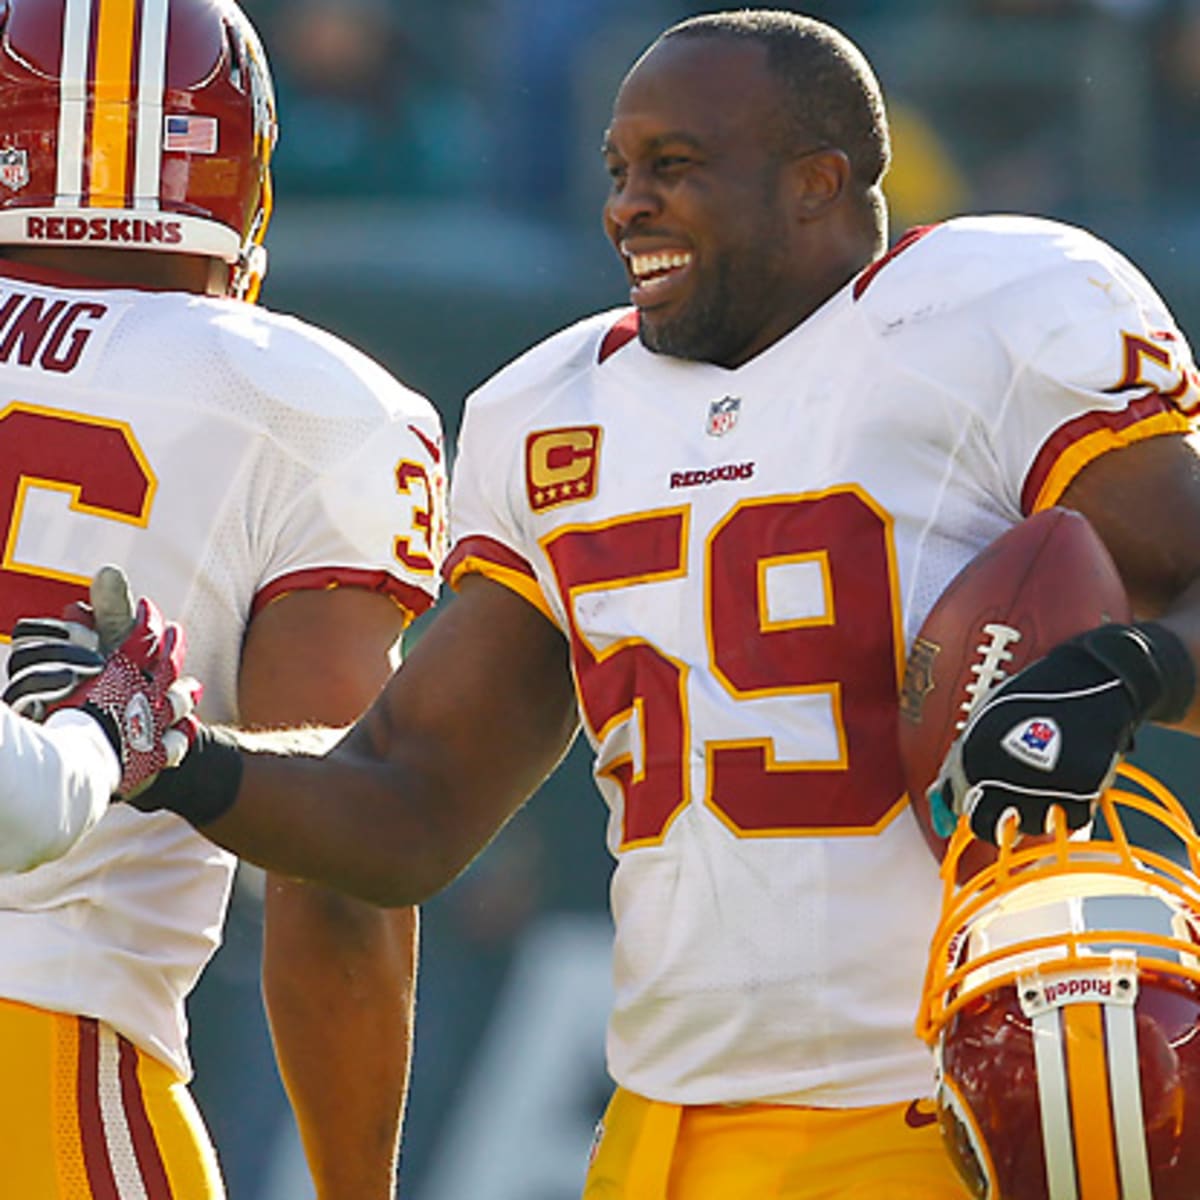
x=738, y=559
x=223, y=455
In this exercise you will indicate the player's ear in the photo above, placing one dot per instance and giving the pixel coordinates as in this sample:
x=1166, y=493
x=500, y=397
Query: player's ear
x=818, y=181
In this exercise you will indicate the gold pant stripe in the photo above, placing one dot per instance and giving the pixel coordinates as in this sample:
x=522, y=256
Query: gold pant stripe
x=1091, y=1110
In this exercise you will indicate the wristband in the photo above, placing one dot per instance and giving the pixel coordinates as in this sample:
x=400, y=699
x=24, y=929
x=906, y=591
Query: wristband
x=204, y=786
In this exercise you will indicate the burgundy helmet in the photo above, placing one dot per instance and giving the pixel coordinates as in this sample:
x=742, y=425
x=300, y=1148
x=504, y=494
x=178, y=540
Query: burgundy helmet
x=1062, y=1002
x=136, y=124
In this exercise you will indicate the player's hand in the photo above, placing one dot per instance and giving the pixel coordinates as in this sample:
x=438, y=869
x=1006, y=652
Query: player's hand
x=50, y=659
x=143, y=700
x=1054, y=732
x=119, y=663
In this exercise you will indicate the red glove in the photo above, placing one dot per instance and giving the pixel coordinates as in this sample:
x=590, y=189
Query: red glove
x=143, y=701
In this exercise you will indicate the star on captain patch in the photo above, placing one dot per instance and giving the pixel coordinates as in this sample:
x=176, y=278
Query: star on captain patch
x=722, y=415
x=14, y=168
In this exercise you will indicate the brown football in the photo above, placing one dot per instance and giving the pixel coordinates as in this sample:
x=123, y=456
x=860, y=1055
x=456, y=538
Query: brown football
x=1045, y=580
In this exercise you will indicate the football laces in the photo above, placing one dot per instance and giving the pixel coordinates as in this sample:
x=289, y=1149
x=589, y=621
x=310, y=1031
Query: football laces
x=990, y=669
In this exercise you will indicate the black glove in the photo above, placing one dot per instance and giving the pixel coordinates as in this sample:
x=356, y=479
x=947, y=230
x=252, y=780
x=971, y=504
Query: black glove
x=50, y=660
x=1054, y=732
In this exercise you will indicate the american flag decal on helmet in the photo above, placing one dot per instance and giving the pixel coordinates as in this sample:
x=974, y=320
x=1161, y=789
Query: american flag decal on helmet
x=196, y=135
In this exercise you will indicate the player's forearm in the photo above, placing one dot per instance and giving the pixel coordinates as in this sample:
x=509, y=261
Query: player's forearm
x=56, y=781
x=375, y=828
x=388, y=820
x=338, y=978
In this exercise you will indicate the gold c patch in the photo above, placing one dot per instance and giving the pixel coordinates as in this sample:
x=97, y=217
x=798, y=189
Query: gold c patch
x=560, y=465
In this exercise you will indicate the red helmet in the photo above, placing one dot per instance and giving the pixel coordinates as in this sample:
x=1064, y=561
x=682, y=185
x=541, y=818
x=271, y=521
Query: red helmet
x=1063, y=1005
x=138, y=124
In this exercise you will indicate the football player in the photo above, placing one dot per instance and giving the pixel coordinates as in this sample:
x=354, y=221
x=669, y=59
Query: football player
x=276, y=491
x=705, y=528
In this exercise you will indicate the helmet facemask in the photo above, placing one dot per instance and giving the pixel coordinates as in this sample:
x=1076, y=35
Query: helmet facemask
x=1062, y=1002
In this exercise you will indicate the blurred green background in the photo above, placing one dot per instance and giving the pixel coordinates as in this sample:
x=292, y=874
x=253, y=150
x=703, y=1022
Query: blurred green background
x=438, y=194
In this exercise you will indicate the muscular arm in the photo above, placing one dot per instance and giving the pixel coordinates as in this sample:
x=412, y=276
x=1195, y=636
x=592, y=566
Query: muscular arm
x=338, y=974
x=478, y=716
x=1144, y=501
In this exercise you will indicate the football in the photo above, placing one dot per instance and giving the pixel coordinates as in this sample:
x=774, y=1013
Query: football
x=1045, y=580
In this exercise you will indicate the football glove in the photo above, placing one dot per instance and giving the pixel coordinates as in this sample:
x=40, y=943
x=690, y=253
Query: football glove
x=50, y=658
x=143, y=701
x=1054, y=733
x=137, y=694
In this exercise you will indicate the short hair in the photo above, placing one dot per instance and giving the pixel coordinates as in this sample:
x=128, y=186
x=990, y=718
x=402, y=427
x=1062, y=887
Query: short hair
x=835, y=97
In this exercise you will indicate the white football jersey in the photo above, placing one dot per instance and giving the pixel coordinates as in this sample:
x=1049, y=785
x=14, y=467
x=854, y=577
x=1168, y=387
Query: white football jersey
x=739, y=559
x=224, y=456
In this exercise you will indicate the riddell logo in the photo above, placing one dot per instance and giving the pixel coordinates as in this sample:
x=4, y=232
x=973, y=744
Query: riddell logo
x=135, y=231
x=1065, y=990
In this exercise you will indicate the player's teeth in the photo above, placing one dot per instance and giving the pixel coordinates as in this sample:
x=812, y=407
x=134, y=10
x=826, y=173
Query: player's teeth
x=653, y=264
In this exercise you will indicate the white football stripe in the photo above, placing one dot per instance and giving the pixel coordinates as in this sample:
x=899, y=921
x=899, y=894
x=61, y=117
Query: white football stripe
x=152, y=65
x=1120, y=1031
x=1054, y=1101
x=72, y=106
x=117, y=1137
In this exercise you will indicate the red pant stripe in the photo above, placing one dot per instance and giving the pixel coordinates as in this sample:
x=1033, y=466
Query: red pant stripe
x=145, y=1145
x=91, y=1121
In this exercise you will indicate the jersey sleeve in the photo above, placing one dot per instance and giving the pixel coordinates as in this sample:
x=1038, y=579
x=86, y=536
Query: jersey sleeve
x=371, y=517
x=1099, y=363
x=486, y=535
x=56, y=781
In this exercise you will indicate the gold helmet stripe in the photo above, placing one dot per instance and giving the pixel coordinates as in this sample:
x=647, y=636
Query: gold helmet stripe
x=1091, y=1112
x=108, y=163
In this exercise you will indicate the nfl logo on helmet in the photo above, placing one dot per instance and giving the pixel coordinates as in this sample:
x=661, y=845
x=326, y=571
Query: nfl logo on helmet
x=14, y=168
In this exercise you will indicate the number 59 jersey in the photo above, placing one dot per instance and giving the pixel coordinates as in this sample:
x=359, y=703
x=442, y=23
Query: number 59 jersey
x=224, y=456
x=738, y=560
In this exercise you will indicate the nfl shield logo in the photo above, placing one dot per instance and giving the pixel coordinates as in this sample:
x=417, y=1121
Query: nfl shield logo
x=722, y=415
x=1035, y=741
x=14, y=168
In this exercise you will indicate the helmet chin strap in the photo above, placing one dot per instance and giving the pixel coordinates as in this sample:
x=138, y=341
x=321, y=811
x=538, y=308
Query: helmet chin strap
x=246, y=274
